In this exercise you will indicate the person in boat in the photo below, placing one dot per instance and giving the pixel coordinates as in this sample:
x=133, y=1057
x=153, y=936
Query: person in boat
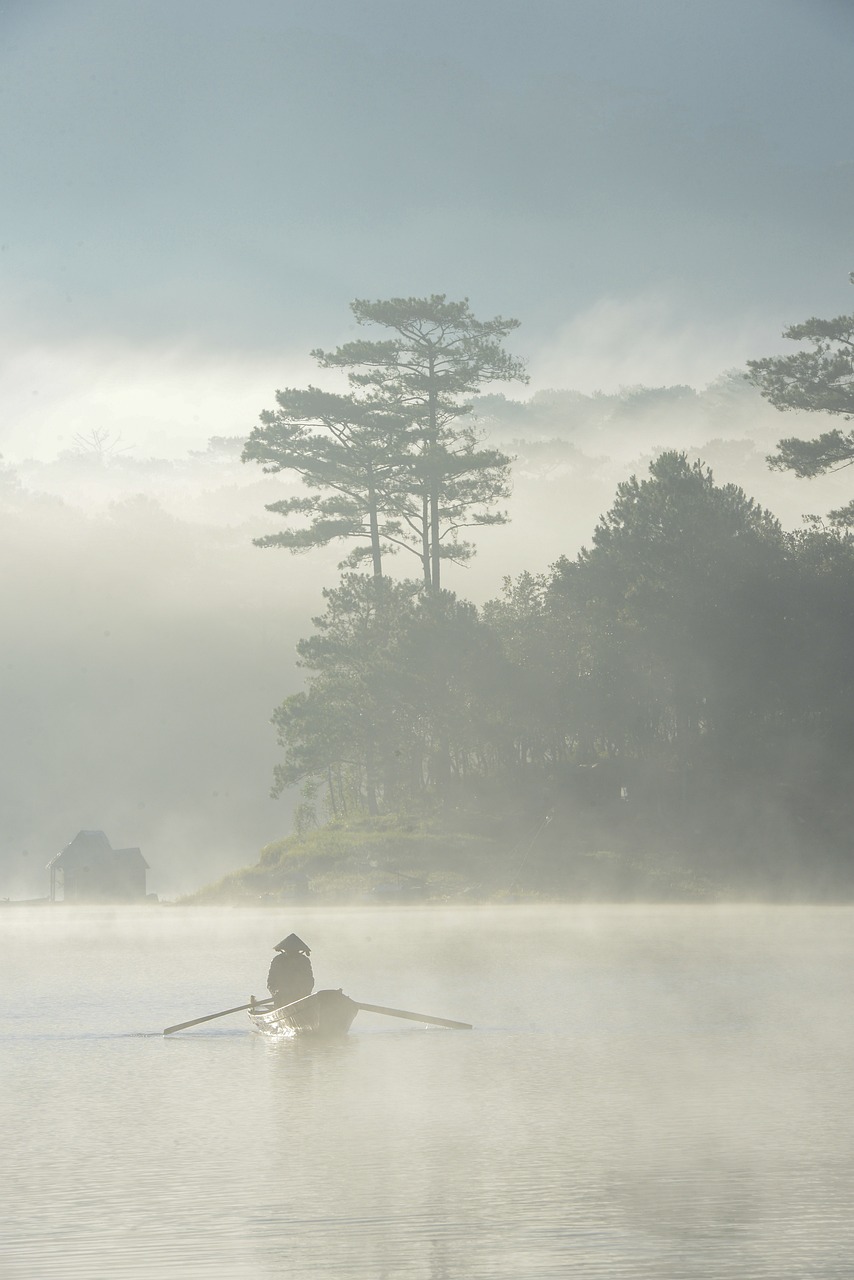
x=290, y=977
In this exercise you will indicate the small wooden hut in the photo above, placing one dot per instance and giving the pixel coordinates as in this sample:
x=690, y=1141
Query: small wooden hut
x=89, y=869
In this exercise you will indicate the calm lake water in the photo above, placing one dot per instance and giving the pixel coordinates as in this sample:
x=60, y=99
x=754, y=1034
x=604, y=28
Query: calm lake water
x=649, y=1092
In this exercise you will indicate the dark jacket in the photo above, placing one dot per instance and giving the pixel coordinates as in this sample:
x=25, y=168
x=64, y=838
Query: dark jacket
x=290, y=977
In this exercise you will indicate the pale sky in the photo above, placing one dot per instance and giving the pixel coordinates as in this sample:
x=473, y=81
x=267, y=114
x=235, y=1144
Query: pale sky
x=194, y=191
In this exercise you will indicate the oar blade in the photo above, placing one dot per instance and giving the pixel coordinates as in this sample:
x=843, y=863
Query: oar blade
x=416, y=1017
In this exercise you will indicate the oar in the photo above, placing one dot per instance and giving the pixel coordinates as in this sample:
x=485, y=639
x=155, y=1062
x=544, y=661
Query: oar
x=209, y=1017
x=415, y=1017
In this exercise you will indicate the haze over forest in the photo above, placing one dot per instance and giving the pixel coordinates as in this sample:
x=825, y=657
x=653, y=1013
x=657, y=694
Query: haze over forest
x=653, y=210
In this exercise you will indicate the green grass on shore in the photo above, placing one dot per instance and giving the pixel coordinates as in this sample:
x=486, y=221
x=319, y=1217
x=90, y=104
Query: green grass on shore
x=394, y=859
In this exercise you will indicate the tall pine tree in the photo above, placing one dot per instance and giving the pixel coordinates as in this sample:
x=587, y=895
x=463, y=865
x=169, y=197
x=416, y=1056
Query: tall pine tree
x=439, y=354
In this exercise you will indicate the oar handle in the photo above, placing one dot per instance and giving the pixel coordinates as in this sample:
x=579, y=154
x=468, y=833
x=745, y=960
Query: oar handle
x=415, y=1017
x=209, y=1017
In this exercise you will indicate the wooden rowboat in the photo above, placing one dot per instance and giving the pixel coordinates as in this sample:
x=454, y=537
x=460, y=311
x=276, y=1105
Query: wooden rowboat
x=326, y=1014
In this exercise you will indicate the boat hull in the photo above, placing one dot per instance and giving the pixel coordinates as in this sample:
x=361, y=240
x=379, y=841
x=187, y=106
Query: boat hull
x=325, y=1014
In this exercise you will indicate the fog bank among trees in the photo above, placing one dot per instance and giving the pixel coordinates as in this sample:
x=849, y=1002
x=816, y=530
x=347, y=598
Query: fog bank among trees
x=148, y=642
x=143, y=653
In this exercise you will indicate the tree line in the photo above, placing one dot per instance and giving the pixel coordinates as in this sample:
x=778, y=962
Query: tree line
x=686, y=674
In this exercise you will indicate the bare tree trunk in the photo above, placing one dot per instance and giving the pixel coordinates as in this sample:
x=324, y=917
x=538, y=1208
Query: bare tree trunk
x=433, y=465
x=425, y=538
x=370, y=780
x=376, y=552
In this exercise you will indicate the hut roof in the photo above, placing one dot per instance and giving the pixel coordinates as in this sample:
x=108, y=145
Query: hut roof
x=95, y=845
x=129, y=856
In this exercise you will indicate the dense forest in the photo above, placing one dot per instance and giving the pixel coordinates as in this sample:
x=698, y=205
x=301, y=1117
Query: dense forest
x=681, y=686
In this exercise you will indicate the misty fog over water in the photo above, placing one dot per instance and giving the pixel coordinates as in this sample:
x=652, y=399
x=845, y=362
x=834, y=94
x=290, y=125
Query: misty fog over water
x=648, y=1092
